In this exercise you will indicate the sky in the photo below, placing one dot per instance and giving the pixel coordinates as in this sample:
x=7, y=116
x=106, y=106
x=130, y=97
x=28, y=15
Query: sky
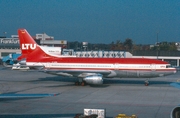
x=94, y=21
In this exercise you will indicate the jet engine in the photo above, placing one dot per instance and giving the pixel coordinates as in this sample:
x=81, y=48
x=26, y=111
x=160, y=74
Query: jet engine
x=94, y=79
x=175, y=113
x=22, y=62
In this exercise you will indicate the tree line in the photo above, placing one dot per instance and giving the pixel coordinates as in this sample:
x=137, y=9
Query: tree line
x=126, y=45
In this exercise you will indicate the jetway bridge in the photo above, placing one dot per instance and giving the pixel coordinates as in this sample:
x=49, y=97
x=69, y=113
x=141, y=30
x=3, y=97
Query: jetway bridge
x=97, y=54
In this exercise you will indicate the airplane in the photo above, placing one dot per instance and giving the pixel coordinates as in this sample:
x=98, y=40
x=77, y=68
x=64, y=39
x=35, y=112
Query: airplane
x=88, y=70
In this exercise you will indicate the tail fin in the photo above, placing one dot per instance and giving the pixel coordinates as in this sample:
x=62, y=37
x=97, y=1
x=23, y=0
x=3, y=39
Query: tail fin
x=27, y=43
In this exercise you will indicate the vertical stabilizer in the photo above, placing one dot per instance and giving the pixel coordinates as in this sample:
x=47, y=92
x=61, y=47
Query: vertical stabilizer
x=27, y=43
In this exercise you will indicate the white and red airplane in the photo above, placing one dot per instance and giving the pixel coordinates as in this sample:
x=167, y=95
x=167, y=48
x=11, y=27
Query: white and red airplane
x=89, y=70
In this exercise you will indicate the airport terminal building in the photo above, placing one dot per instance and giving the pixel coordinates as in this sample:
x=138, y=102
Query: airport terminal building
x=11, y=45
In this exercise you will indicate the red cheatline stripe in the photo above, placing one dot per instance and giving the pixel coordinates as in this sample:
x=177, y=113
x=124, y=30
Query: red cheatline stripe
x=106, y=69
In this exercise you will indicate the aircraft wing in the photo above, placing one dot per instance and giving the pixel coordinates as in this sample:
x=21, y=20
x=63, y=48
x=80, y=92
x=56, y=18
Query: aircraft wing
x=77, y=72
x=66, y=72
x=19, y=67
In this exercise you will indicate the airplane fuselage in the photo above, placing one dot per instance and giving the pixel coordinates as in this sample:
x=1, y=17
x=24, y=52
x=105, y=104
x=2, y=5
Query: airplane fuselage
x=117, y=67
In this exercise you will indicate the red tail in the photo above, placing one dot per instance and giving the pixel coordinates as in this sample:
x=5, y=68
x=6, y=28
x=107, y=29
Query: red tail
x=27, y=43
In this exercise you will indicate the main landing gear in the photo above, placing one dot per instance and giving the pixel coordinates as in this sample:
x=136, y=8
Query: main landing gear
x=80, y=82
x=146, y=83
x=83, y=83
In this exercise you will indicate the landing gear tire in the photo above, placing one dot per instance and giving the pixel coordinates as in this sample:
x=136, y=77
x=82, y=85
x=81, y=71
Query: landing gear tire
x=83, y=83
x=80, y=83
x=76, y=83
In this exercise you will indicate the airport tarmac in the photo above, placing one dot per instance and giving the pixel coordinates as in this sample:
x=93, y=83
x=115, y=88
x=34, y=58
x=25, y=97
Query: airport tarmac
x=127, y=96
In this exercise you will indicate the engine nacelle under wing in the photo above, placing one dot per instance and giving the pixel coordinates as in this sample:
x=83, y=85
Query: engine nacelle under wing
x=94, y=79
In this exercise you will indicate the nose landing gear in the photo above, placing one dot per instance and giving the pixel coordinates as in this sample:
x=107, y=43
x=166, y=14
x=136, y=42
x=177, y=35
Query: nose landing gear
x=146, y=83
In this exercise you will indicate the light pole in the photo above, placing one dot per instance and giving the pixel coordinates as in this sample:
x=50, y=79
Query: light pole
x=4, y=34
x=157, y=45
